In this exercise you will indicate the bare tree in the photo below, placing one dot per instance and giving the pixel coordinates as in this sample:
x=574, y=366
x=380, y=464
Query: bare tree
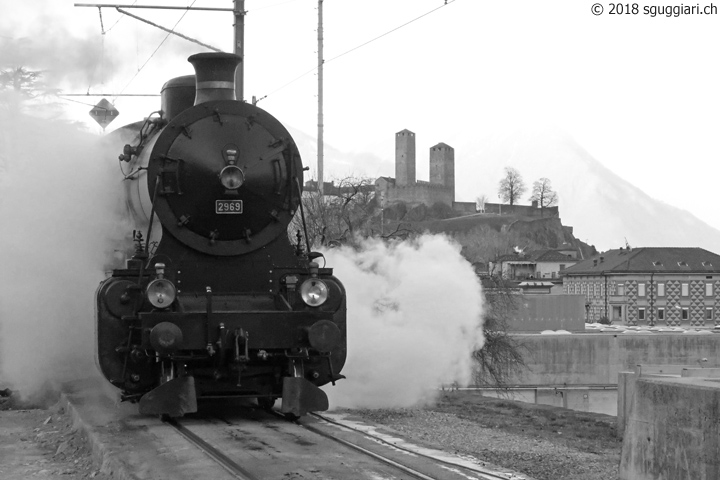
x=346, y=210
x=501, y=358
x=544, y=194
x=511, y=186
x=480, y=203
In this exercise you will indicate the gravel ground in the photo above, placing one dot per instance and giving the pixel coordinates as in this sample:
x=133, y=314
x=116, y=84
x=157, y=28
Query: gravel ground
x=37, y=441
x=540, y=441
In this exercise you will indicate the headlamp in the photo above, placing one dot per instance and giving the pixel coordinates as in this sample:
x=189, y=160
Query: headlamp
x=161, y=293
x=314, y=292
x=232, y=177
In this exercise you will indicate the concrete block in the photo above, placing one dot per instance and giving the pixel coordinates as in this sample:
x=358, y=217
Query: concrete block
x=673, y=430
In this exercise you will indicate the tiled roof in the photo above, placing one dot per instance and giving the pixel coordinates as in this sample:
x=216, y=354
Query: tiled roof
x=647, y=260
x=553, y=256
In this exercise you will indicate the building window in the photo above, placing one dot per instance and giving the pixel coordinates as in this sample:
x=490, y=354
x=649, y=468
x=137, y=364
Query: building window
x=617, y=312
x=641, y=314
x=661, y=289
x=621, y=289
x=562, y=267
x=661, y=314
x=685, y=290
x=708, y=313
x=685, y=313
x=641, y=289
x=708, y=289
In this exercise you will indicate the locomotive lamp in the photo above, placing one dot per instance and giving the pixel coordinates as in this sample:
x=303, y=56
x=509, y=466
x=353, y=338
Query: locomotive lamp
x=232, y=177
x=161, y=292
x=313, y=291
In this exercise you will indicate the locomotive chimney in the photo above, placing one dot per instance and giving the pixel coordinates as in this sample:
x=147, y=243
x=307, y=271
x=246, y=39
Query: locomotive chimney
x=214, y=76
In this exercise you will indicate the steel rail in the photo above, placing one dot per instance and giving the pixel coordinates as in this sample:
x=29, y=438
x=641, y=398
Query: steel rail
x=490, y=475
x=216, y=455
x=374, y=455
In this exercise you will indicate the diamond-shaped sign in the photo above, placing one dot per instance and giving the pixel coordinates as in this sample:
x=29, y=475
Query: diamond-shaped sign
x=104, y=113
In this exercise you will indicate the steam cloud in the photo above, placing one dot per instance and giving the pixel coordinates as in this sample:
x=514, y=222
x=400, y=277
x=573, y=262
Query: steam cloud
x=58, y=197
x=414, y=319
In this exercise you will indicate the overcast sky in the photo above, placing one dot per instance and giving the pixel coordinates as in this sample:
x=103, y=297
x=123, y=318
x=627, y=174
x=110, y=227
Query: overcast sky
x=640, y=93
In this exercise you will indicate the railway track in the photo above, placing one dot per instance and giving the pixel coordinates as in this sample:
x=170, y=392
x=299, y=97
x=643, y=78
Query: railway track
x=258, y=444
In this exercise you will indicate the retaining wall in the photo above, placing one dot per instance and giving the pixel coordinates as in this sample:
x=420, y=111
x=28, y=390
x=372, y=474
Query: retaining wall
x=673, y=430
x=597, y=358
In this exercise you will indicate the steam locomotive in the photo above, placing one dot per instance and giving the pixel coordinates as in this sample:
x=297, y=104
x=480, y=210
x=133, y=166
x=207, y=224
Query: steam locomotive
x=215, y=300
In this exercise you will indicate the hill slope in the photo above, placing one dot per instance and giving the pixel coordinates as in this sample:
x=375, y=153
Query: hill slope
x=603, y=208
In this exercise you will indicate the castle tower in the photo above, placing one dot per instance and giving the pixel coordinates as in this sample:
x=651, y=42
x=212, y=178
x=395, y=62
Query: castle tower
x=405, y=158
x=442, y=166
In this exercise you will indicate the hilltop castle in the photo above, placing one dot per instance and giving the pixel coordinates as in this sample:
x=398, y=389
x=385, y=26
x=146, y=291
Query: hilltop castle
x=407, y=189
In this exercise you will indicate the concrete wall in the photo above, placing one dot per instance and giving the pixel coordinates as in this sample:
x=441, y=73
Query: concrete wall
x=597, y=358
x=536, y=313
x=673, y=430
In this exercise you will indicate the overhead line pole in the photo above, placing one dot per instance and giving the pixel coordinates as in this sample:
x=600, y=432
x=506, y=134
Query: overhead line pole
x=320, y=141
x=239, y=47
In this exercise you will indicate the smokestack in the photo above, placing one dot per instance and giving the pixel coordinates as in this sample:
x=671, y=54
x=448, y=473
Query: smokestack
x=214, y=76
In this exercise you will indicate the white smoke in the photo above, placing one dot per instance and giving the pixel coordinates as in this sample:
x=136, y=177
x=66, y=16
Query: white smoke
x=59, y=194
x=414, y=319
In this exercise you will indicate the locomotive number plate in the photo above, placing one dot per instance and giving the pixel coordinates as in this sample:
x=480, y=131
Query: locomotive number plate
x=228, y=206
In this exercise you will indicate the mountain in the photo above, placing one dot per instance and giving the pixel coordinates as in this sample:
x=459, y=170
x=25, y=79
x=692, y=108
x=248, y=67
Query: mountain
x=603, y=208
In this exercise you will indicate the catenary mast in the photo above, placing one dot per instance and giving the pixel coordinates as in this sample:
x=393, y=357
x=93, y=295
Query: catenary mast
x=320, y=99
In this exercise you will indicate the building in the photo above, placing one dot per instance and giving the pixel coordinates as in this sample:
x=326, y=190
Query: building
x=406, y=188
x=539, y=264
x=649, y=286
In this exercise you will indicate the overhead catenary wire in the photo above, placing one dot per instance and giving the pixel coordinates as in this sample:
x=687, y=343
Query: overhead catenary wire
x=154, y=52
x=445, y=4
x=170, y=31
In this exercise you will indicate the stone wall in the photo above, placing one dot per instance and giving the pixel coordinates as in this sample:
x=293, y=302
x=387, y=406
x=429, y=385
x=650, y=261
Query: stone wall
x=426, y=193
x=522, y=210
